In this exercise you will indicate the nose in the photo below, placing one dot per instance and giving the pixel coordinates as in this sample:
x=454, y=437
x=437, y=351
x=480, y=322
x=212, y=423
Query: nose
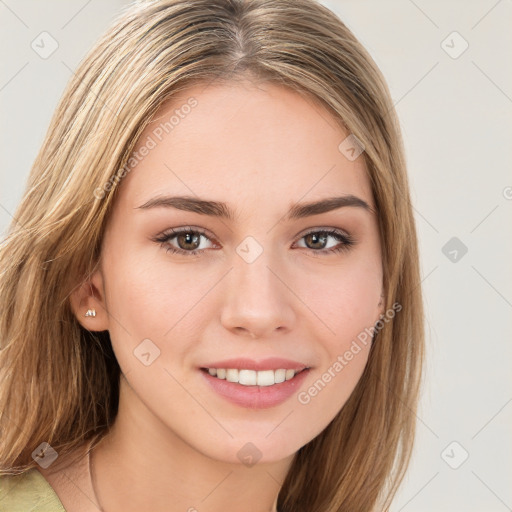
x=258, y=301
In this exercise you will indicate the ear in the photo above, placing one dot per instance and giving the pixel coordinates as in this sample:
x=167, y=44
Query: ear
x=90, y=295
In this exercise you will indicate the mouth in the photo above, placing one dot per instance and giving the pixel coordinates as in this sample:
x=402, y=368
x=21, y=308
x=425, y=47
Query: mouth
x=247, y=377
x=255, y=385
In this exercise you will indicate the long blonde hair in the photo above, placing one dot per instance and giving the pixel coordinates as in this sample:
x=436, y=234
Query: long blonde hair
x=59, y=382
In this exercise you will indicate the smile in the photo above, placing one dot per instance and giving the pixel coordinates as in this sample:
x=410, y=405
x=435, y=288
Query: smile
x=252, y=377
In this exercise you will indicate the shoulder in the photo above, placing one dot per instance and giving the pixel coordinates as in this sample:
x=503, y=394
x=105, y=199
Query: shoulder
x=28, y=491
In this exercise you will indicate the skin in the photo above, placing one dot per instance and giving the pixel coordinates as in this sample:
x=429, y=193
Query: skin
x=258, y=148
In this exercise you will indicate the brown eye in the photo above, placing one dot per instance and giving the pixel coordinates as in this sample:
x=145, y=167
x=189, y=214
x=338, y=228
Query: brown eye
x=183, y=241
x=318, y=241
x=315, y=241
x=188, y=241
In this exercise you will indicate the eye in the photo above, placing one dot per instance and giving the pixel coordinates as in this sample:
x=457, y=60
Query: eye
x=317, y=241
x=187, y=241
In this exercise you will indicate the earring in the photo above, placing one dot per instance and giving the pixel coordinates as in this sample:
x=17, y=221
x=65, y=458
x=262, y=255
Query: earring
x=90, y=312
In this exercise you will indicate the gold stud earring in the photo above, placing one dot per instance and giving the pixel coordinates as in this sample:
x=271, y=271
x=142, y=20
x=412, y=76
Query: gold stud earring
x=90, y=312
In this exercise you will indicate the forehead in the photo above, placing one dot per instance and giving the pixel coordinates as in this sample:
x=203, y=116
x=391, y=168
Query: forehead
x=234, y=141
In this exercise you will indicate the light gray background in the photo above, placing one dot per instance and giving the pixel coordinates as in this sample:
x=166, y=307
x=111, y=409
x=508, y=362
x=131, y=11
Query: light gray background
x=456, y=116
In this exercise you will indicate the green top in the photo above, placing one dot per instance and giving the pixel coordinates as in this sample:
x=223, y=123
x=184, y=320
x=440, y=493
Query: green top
x=28, y=492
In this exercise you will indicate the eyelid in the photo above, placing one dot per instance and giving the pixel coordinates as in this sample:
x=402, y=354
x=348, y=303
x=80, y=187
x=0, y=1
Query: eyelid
x=184, y=229
x=320, y=229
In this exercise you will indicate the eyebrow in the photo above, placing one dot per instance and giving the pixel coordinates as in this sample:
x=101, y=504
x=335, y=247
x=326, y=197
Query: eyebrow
x=222, y=210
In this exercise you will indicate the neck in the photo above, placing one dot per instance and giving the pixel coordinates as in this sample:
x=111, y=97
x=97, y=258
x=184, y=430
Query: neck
x=159, y=471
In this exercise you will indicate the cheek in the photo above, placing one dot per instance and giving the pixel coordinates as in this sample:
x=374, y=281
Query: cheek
x=327, y=391
x=150, y=300
x=344, y=298
x=348, y=310
x=345, y=355
x=144, y=285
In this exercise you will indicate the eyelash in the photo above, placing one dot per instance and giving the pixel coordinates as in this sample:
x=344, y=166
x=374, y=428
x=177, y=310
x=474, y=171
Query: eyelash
x=347, y=241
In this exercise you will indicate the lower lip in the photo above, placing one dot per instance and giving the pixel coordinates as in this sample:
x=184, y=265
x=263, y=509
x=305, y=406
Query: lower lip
x=256, y=397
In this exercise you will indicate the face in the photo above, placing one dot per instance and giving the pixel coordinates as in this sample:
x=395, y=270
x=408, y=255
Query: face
x=254, y=287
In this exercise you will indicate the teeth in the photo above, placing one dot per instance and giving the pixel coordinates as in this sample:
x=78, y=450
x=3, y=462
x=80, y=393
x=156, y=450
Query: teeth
x=289, y=374
x=280, y=376
x=247, y=377
x=265, y=378
x=232, y=375
x=252, y=377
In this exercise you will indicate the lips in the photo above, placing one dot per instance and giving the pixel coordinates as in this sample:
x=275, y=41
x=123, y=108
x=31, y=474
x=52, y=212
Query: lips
x=270, y=363
x=255, y=384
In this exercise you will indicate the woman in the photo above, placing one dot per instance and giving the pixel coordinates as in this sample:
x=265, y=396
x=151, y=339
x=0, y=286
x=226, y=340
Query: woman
x=210, y=292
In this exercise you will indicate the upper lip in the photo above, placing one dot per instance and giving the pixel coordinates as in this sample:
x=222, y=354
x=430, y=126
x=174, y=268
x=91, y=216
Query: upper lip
x=270, y=363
